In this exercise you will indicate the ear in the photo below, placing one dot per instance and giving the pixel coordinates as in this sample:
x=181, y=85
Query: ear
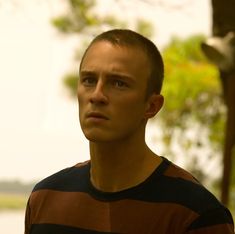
x=154, y=105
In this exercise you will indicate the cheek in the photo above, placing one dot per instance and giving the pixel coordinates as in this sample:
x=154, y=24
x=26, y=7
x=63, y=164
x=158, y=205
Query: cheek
x=81, y=99
x=79, y=95
x=80, y=108
x=132, y=108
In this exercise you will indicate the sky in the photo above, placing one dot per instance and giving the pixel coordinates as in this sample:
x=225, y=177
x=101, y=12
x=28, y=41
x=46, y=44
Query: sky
x=39, y=127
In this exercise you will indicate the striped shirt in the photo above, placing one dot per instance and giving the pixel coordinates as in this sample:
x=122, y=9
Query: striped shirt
x=170, y=201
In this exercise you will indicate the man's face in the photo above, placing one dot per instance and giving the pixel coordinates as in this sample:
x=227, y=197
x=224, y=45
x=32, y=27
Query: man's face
x=112, y=92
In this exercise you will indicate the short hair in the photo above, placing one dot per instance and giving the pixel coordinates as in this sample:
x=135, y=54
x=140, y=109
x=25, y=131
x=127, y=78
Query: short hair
x=126, y=37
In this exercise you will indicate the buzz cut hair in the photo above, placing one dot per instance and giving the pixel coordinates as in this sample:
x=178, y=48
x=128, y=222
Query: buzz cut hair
x=132, y=39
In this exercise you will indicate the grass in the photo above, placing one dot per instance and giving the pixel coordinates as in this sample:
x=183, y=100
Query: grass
x=12, y=201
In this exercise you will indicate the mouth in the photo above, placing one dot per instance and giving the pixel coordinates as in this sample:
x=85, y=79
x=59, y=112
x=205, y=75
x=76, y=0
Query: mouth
x=96, y=115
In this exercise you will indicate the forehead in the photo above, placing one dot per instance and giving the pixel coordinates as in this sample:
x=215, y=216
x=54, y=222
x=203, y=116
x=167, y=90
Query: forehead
x=105, y=53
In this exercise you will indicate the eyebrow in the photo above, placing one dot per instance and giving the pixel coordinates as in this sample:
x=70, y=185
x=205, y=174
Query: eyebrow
x=85, y=73
x=113, y=74
x=121, y=76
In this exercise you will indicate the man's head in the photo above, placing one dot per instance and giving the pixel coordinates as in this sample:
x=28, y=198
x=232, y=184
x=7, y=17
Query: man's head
x=128, y=38
x=119, y=86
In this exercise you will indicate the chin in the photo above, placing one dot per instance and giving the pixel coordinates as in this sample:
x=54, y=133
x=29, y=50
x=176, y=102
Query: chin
x=101, y=138
x=97, y=140
x=96, y=137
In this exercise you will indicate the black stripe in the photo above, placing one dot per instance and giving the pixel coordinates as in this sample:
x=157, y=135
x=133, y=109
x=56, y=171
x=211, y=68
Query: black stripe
x=157, y=188
x=71, y=179
x=77, y=179
x=211, y=218
x=61, y=229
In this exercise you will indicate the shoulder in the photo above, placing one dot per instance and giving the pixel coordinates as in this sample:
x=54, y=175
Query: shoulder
x=67, y=179
x=181, y=187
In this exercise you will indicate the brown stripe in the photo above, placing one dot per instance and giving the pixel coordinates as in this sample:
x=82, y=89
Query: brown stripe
x=78, y=209
x=81, y=164
x=69, y=208
x=177, y=172
x=145, y=217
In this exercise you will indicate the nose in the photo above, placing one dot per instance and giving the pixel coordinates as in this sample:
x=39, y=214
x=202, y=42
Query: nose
x=98, y=95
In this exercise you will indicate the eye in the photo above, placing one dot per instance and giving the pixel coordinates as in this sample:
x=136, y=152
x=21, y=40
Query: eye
x=88, y=81
x=119, y=84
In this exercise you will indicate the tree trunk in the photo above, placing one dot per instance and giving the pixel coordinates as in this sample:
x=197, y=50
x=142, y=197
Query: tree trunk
x=223, y=22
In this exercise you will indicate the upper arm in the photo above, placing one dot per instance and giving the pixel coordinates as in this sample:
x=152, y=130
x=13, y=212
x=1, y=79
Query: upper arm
x=216, y=221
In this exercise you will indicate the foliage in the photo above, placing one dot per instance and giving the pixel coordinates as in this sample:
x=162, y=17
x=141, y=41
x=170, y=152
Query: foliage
x=194, y=86
x=71, y=81
x=232, y=183
x=82, y=20
x=192, y=89
x=193, y=98
x=80, y=17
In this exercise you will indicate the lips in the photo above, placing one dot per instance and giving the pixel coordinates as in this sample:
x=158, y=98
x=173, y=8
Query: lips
x=96, y=115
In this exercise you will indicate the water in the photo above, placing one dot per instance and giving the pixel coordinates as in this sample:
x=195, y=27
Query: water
x=12, y=222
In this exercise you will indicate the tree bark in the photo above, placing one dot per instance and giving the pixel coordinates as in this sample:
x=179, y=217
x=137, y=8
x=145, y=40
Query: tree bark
x=223, y=21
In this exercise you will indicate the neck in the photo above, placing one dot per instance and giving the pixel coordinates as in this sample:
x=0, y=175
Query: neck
x=121, y=165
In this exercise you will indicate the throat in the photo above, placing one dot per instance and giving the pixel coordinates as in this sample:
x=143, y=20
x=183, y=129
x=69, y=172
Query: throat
x=115, y=172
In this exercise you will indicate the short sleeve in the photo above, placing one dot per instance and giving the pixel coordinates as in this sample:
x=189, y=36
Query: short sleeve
x=27, y=219
x=216, y=221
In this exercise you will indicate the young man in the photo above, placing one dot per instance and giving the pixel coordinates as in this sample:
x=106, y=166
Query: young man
x=124, y=187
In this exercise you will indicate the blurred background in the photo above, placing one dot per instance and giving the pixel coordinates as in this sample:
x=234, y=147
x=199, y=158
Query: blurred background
x=41, y=43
